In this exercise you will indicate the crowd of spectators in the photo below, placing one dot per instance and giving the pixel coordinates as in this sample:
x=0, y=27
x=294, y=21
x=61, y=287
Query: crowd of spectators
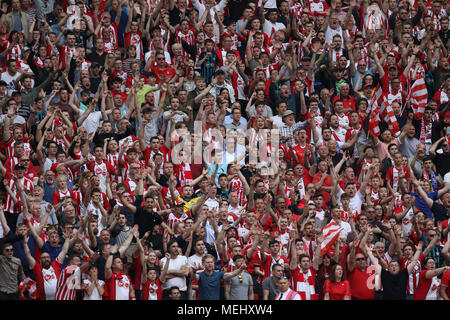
x=224, y=150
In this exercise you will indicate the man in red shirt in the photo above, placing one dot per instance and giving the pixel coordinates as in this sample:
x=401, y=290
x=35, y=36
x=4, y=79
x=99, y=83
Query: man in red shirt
x=445, y=288
x=161, y=68
x=360, y=277
x=347, y=99
x=395, y=173
x=323, y=182
x=268, y=260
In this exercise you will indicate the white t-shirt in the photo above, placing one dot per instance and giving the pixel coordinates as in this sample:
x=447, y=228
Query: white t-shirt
x=447, y=177
x=212, y=204
x=194, y=261
x=95, y=294
x=92, y=121
x=407, y=222
x=278, y=121
x=329, y=34
x=175, y=264
x=347, y=229
x=270, y=28
x=48, y=164
x=355, y=202
x=270, y=4
x=10, y=81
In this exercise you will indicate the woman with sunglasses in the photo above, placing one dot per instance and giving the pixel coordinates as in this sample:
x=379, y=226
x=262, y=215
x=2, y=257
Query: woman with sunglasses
x=428, y=285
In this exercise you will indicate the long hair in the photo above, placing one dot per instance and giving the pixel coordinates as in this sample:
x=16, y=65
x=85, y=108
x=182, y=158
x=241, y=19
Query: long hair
x=333, y=273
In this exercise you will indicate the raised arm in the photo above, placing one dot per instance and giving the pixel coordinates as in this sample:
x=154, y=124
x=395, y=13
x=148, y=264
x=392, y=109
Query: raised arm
x=163, y=275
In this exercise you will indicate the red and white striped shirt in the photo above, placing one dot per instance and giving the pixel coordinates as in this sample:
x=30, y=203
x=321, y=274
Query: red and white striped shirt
x=184, y=173
x=15, y=53
x=113, y=159
x=189, y=37
x=413, y=279
x=235, y=184
x=47, y=279
x=10, y=148
x=11, y=206
x=172, y=219
x=62, y=55
x=68, y=282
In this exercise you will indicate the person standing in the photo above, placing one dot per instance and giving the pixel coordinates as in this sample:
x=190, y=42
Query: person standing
x=93, y=287
x=394, y=280
x=337, y=288
x=209, y=280
x=286, y=293
x=270, y=284
x=177, y=272
x=428, y=286
x=46, y=272
x=239, y=287
x=11, y=273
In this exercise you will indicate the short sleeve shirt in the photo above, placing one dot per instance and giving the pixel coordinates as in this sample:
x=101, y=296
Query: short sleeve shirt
x=209, y=285
x=394, y=286
x=239, y=290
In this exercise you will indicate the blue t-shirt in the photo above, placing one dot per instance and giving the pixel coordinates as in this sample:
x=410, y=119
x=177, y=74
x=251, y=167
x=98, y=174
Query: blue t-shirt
x=19, y=252
x=209, y=285
x=422, y=205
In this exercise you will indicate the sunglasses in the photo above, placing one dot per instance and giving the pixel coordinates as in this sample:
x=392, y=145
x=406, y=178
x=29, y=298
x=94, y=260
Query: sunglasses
x=159, y=58
x=126, y=194
x=240, y=278
x=9, y=250
x=359, y=259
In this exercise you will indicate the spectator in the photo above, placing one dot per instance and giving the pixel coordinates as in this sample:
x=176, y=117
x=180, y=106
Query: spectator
x=101, y=99
x=177, y=270
x=239, y=287
x=209, y=280
x=12, y=273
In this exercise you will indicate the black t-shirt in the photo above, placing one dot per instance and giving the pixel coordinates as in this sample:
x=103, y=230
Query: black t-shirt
x=155, y=242
x=394, y=286
x=130, y=216
x=146, y=220
x=174, y=16
x=439, y=212
x=100, y=263
x=94, y=57
x=442, y=162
